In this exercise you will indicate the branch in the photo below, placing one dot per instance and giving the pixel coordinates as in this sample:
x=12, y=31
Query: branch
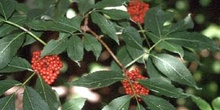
x=85, y=28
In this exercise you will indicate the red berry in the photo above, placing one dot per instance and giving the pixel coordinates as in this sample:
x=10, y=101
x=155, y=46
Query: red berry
x=48, y=66
x=137, y=10
x=133, y=76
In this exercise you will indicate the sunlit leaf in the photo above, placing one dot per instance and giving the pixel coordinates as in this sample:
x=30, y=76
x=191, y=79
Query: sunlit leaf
x=173, y=69
x=8, y=102
x=202, y=104
x=161, y=86
x=17, y=64
x=85, y=6
x=75, y=48
x=92, y=44
x=8, y=48
x=74, y=104
x=157, y=103
x=215, y=103
x=56, y=46
x=98, y=79
x=105, y=25
x=110, y=3
x=120, y=103
x=47, y=94
x=33, y=101
x=7, y=7
x=7, y=84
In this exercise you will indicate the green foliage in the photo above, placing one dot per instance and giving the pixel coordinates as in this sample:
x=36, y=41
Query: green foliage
x=74, y=104
x=162, y=44
x=47, y=94
x=55, y=46
x=98, y=79
x=105, y=25
x=33, y=101
x=157, y=103
x=173, y=69
x=120, y=103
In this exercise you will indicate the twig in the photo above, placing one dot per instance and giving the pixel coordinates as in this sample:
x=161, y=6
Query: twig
x=85, y=28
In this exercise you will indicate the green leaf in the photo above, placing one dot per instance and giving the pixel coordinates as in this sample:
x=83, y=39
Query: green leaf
x=8, y=48
x=59, y=24
x=181, y=25
x=105, y=25
x=110, y=3
x=166, y=45
x=8, y=102
x=202, y=104
x=7, y=84
x=61, y=7
x=22, y=7
x=85, y=6
x=120, y=103
x=43, y=4
x=162, y=86
x=7, y=7
x=47, y=94
x=29, y=39
x=123, y=56
x=55, y=46
x=193, y=40
x=132, y=38
x=98, y=79
x=7, y=28
x=155, y=19
x=116, y=14
x=140, y=107
x=136, y=54
x=215, y=103
x=173, y=69
x=75, y=48
x=33, y=101
x=152, y=71
x=74, y=104
x=157, y=103
x=17, y=64
x=91, y=44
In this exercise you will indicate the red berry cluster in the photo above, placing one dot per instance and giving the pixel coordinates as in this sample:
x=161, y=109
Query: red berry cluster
x=137, y=10
x=133, y=76
x=48, y=67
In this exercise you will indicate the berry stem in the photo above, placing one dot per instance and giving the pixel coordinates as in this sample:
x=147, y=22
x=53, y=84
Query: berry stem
x=28, y=79
x=25, y=30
